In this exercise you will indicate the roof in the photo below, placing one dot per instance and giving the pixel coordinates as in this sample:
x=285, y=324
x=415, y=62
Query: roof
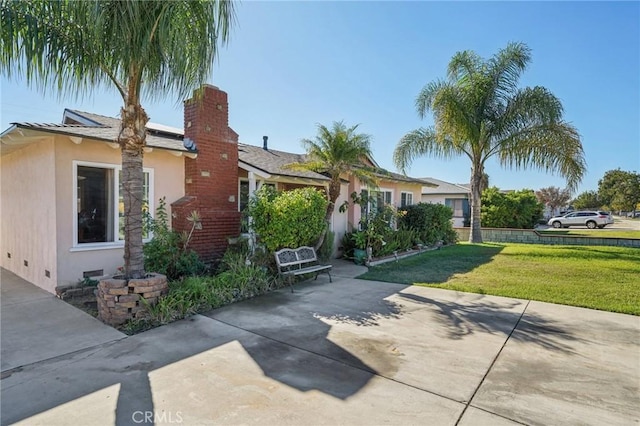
x=82, y=124
x=385, y=174
x=98, y=127
x=273, y=162
x=444, y=187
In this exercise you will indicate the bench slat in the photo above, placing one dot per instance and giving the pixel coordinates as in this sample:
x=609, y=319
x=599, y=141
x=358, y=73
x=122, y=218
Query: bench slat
x=303, y=260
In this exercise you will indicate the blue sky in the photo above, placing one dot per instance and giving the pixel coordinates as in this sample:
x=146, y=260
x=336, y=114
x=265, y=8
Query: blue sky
x=291, y=65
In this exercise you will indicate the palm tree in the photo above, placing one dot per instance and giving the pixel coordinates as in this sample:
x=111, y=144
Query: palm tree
x=337, y=152
x=480, y=112
x=141, y=48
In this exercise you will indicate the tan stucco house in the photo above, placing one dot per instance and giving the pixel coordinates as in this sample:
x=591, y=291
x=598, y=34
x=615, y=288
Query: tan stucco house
x=453, y=195
x=61, y=209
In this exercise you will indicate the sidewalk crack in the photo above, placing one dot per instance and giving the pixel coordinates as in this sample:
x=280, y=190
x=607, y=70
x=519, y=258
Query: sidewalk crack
x=492, y=364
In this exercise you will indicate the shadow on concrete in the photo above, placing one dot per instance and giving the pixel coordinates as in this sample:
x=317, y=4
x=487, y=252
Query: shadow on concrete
x=483, y=315
x=297, y=327
x=308, y=360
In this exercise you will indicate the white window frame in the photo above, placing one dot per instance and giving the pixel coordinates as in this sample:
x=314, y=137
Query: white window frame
x=116, y=168
x=378, y=190
x=406, y=194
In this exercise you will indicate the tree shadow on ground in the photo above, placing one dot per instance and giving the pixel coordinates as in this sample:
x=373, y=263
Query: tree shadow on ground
x=483, y=315
x=436, y=266
x=285, y=334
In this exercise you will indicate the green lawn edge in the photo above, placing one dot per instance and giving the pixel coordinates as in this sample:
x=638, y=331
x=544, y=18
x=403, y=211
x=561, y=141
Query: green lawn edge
x=596, y=277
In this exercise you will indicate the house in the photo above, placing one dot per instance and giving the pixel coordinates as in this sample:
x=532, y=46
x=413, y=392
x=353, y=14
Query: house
x=453, y=195
x=61, y=206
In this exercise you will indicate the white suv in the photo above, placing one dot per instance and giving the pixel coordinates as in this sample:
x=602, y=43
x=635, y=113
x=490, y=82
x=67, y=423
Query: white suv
x=590, y=219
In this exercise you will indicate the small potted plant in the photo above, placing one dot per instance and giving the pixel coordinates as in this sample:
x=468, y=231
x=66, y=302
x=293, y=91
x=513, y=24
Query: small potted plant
x=360, y=251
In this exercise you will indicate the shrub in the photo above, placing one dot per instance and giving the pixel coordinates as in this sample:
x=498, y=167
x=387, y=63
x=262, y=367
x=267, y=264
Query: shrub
x=288, y=219
x=431, y=222
x=517, y=209
x=237, y=280
x=348, y=244
x=167, y=252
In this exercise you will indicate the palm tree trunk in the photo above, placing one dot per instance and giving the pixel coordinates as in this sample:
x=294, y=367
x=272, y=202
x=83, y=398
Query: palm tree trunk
x=132, y=139
x=334, y=193
x=477, y=175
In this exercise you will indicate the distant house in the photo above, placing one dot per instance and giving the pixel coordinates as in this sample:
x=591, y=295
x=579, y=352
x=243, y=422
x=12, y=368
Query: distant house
x=61, y=203
x=453, y=195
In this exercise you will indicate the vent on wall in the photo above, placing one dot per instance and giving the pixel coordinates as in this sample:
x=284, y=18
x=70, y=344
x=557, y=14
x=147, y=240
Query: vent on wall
x=9, y=255
x=96, y=273
x=26, y=262
x=47, y=273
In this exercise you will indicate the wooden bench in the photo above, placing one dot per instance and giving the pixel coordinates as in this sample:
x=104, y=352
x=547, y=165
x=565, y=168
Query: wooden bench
x=300, y=261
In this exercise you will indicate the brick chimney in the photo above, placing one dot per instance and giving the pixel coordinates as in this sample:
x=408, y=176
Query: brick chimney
x=211, y=179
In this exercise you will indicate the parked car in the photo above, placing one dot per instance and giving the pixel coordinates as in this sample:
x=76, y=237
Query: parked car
x=590, y=219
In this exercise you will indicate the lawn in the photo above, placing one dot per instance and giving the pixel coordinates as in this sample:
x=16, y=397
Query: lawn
x=605, y=278
x=593, y=233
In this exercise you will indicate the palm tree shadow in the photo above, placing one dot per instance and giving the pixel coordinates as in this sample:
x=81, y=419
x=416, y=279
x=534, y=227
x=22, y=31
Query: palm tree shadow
x=298, y=350
x=486, y=316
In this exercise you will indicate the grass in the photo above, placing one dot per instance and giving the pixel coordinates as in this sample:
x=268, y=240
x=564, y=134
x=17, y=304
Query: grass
x=605, y=278
x=593, y=233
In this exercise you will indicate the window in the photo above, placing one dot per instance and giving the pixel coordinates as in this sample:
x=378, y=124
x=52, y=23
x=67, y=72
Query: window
x=377, y=200
x=406, y=199
x=460, y=206
x=243, y=199
x=99, y=203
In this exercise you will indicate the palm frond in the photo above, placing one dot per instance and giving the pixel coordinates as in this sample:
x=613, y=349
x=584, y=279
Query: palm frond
x=425, y=98
x=311, y=166
x=463, y=66
x=506, y=67
x=424, y=141
x=527, y=107
x=160, y=47
x=554, y=148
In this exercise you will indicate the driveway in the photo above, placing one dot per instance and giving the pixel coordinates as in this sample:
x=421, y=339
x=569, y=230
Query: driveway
x=35, y=325
x=350, y=352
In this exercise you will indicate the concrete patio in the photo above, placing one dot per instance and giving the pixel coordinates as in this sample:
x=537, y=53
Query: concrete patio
x=350, y=352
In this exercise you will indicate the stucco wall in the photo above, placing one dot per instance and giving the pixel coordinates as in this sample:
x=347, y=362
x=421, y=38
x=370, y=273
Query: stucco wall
x=168, y=176
x=396, y=189
x=28, y=212
x=440, y=199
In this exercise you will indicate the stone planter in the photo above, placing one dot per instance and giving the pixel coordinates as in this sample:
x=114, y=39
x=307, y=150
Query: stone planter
x=119, y=300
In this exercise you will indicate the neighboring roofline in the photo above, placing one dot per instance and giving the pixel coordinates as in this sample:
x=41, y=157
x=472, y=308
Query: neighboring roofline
x=68, y=113
x=263, y=173
x=373, y=161
x=9, y=130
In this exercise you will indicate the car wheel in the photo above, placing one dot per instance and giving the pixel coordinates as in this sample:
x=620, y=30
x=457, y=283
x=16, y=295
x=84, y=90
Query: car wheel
x=591, y=225
x=557, y=225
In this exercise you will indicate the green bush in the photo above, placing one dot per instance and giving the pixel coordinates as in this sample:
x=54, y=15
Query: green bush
x=237, y=280
x=431, y=223
x=347, y=244
x=167, y=253
x=288, y=219
x=517, y=209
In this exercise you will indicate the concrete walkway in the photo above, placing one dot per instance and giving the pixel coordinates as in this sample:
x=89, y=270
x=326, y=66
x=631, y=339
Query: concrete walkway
x=35, y=325
x=350, y=352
